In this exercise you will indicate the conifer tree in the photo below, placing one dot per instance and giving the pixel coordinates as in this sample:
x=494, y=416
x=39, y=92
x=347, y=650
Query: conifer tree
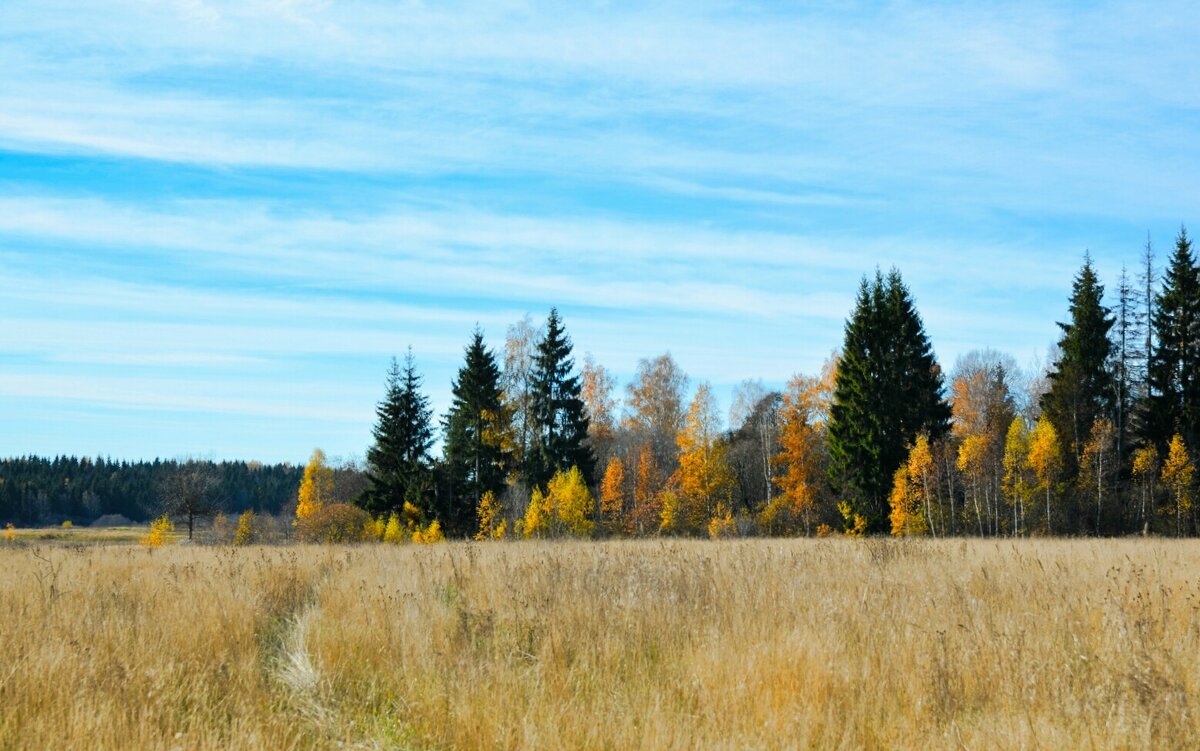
x=1173, y=404
x=1081, y=384
x=476, y=462
x=889, y=389
x=560, y=428
x=398, y=464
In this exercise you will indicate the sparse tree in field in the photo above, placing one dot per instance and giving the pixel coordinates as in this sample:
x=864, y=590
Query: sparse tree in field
x=889, y=389
x=559, y=418
x=1178, y=477
x=704, y=480
x=1145, y=474
x=1098, y=464
x=316, y=487
x=1173, y=404
x=1046, y=461
x=654, y=408
x=516, y=383
x=192, y=490
x=399, y=466
x=1126, y=338
x=597, y=385
x=477, y=449
x=753, y=444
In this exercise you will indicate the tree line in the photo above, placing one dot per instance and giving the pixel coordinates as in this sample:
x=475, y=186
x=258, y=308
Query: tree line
x=39, y=490
x=882, y=441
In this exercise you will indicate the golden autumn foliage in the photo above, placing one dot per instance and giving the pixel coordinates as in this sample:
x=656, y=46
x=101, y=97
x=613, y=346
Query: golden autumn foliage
x=614, y=498
x=393, y=532
x=1145, y=474
x=316, y=487
x=704, y=479
x=1178, y=477
x=910, y=496
x=722, y=525
x=162, y=531
x=647, y=501
x=10, y=532
x=246, y=533
x=800, y=455
x=567, y=507
x=1046, y=461
x=429, y=534
x=492, y=524
x=1016, y=486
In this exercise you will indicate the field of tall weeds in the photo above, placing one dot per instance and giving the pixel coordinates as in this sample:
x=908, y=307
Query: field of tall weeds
x=614, y=645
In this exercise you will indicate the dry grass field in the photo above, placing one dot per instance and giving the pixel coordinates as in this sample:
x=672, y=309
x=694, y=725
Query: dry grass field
x=621, y=645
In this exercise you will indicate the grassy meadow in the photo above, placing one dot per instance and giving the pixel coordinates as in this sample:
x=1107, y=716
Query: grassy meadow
x=612, y=645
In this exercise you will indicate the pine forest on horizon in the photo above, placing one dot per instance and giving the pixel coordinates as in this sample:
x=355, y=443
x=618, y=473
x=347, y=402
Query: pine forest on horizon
x=881, y=441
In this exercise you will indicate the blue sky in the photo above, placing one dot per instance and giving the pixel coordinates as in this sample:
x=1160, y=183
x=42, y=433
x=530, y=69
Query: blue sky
x=219, y=220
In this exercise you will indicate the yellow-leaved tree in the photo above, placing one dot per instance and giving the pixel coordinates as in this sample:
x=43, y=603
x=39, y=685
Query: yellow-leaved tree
x=704, y=478
x=567, y=507
x=800, y=457
x=247, y=531
x=1045, y=459
x=973, y=455
x=1145, y=473
x=316, y=487
x=162, y=531
x=1178, y=477
x=492, y=524
x=573, y=503
x=911, y=490
x=1016, y=486
x=393, y=532
x=647, y=500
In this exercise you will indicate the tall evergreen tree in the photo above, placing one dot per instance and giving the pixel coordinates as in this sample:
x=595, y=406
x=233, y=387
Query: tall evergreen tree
x=475, y=456
x=560, y=420
x=1081, y=384
x=398, y=464
x=889, y=389
x=1173, y=404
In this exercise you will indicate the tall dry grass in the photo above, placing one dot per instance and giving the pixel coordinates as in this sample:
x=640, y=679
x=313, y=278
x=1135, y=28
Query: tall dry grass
x=644, y=644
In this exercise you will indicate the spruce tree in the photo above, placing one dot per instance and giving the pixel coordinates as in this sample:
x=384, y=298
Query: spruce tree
x=1081, y=383
x=889, y=389
x=1173, y=404
x=398, y=464
x=560, y=428
x=475, y=460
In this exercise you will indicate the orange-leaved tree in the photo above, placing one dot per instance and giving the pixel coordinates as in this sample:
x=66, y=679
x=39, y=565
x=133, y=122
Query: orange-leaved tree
x=704, y=478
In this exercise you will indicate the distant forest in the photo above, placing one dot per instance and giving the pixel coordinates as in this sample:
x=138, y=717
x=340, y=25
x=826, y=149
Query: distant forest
x=37, y=491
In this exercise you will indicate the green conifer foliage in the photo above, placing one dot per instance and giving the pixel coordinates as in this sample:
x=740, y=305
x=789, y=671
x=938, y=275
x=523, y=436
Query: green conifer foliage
x=1081, y=382
x=475, y=456
x=1173, y=404
x=889, y=389
x=560, y=419
x=398, y=464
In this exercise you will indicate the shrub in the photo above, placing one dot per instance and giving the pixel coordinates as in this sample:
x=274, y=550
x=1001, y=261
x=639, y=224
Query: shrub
x=10, y=533
x=393, y=533
x=337, y=522
x=247, y=530
x=430, y=534
x=67, y=524
x=162, y=531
